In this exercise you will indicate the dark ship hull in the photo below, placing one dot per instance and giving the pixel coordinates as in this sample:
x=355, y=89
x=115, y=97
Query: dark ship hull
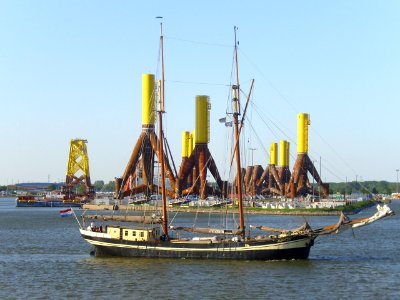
x=290, y=247
x=47, y=203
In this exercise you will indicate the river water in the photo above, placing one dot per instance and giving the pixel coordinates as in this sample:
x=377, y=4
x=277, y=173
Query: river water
x=43, y=256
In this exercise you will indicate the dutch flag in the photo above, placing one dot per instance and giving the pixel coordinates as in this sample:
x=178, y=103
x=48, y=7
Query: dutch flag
x=66, y=212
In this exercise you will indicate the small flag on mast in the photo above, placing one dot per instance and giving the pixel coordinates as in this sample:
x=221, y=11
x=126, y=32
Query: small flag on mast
x=66, y=212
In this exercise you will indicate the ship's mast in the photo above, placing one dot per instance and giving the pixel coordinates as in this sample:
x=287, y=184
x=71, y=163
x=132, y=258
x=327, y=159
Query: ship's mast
x=160, y=110
x=236, y=113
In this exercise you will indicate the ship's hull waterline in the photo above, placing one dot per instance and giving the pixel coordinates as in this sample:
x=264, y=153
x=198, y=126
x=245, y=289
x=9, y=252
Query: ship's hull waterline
x=295, y=247
x=38, y=203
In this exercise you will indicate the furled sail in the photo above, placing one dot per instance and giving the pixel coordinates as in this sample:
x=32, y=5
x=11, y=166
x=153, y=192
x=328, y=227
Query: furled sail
x=332, y=228
x=383, y=211
x=344, y=222
x=137, y=219
x=303, y=227
x=208, y=230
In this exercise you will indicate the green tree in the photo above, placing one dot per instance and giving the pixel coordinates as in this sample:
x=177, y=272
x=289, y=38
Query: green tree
x=343, y=190
x=109, y=187
x=81, y=189
x=51, y=187
x=98, y=185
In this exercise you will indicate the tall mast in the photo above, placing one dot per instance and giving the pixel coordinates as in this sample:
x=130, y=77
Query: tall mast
x=236, y=113
x=160, y=110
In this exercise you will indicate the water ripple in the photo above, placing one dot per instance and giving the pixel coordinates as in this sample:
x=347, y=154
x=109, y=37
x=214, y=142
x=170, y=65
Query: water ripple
x=43, y=257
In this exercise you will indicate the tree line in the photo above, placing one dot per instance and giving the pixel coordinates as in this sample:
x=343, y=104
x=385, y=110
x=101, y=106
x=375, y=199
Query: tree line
x=364, y=187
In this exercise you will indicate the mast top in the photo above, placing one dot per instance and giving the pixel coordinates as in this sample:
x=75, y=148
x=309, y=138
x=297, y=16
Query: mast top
x=235, y=29
x=161, y=82
x=160, y=17
x=237, y=86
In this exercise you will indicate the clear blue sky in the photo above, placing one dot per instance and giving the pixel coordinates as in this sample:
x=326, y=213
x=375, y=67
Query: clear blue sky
x=72, y=69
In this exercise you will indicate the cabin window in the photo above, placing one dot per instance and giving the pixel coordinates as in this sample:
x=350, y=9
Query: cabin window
x=126, y=233
x=133, y=233
x=142, y=234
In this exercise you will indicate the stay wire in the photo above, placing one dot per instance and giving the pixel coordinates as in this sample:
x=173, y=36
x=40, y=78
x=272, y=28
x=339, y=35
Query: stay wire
x=197, y=83
x=333, y=150
x=292, y=106
x=197, y=42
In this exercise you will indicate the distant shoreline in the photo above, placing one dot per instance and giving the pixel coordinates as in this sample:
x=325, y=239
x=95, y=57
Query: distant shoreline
x=253, y=211
x=248, y=210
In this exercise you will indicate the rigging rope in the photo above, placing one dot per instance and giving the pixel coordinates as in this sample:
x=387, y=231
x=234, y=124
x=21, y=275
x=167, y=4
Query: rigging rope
x=293, y=156
x=197, y=42
x=199, y=83
x=295, y=109
x=292, y=106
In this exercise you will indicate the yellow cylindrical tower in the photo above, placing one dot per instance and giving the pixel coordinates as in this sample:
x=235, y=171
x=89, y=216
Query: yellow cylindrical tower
x=185, y=143
x=148, y=115
x=283, y=153
x=287, y=152
x=202, y=120
x=190, y=143
x=303, y=120
x=273, y=150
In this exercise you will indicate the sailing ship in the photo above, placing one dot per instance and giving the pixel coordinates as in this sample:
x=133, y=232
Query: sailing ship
x=155, y=239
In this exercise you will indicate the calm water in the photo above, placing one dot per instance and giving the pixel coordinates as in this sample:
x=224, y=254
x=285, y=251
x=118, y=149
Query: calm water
x=43, y=256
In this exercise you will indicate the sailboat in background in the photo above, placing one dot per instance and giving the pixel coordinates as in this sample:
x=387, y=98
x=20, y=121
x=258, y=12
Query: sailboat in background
x=156, y=240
